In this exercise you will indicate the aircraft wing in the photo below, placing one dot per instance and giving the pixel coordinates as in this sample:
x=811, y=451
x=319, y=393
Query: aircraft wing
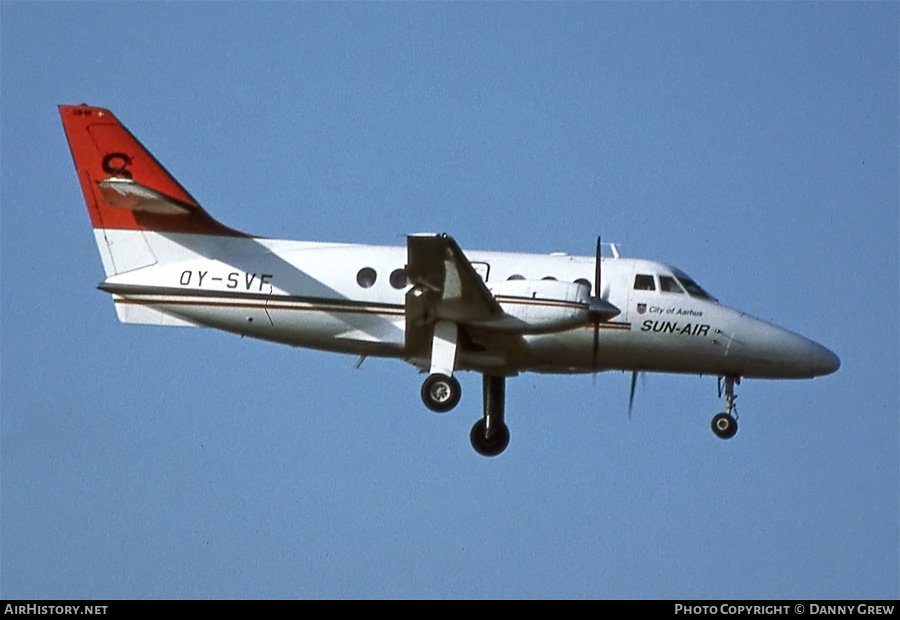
x=445, y=285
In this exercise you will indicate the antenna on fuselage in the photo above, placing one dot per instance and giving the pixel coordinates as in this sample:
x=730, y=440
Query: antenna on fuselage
x=613, y=248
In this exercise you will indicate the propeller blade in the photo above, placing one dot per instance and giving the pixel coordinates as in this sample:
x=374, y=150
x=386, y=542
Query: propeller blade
x=595, y=295
x=600, y=309
x=631, y=394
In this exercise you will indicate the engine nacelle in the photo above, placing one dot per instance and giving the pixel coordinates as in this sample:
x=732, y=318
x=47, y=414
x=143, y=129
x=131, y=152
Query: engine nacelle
x=535, y=306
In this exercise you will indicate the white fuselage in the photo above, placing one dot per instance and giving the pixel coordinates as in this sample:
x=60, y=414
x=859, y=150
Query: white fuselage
x=342, y=298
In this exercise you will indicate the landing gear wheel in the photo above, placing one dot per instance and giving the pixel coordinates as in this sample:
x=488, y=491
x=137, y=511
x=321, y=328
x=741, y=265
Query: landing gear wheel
x=441, y=393
x=489, y=445
x=724, y=426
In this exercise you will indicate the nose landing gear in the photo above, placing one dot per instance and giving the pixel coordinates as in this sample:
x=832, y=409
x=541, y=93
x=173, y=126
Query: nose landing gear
x=724, y=424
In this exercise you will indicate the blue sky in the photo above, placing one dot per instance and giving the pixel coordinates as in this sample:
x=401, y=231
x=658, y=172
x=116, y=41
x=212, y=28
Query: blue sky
x=753, y=145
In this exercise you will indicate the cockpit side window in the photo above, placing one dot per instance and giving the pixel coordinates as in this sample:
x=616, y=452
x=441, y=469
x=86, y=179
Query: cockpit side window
x=693, y=288
x=644, y=283
x=669, y=285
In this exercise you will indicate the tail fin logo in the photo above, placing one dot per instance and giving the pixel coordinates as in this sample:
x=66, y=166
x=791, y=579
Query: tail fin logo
x=117, y=164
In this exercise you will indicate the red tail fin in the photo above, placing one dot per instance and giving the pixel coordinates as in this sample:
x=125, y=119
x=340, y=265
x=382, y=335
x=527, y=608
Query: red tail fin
x=125, y=188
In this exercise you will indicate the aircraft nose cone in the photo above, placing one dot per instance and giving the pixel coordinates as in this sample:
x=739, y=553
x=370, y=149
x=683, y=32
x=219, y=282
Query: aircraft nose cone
x=824, y=362
x=810, y=357
x=778, y=353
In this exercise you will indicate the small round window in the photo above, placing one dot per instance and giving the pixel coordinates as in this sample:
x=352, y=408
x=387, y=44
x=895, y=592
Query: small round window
x=398, y=278
x=516, y=277
x=548, y=278
x=366, y=277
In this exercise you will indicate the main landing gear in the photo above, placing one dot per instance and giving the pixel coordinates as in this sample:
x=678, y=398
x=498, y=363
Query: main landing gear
x=490, y=435
x=724, y=424
x=441, y=393
x=441, y=390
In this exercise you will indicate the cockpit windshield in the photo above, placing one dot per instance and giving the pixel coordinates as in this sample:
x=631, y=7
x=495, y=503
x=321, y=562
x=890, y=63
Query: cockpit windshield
x=693, y=288
x=668, y=285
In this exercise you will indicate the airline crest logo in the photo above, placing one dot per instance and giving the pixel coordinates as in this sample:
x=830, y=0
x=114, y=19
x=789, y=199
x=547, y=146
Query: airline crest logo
x=641, y=308
x=117, y=164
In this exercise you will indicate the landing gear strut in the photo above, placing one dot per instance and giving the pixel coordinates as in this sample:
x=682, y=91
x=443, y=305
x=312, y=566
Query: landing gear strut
x=724, y=424
x=490, y=435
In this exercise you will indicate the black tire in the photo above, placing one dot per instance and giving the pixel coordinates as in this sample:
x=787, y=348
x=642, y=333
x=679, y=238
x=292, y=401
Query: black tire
x=724, y=426
x=489, y=446
x=441, y=393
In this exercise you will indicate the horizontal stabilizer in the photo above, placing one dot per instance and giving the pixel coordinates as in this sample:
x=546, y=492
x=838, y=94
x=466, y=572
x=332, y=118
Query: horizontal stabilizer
x=135, y=313
x=130, y=195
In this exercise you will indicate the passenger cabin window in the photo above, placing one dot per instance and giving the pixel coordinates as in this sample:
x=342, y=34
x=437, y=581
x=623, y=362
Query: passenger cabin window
x=516, y=277
x=366, y=277
x=644, y=283
x=398, y=278
x=669, y=285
